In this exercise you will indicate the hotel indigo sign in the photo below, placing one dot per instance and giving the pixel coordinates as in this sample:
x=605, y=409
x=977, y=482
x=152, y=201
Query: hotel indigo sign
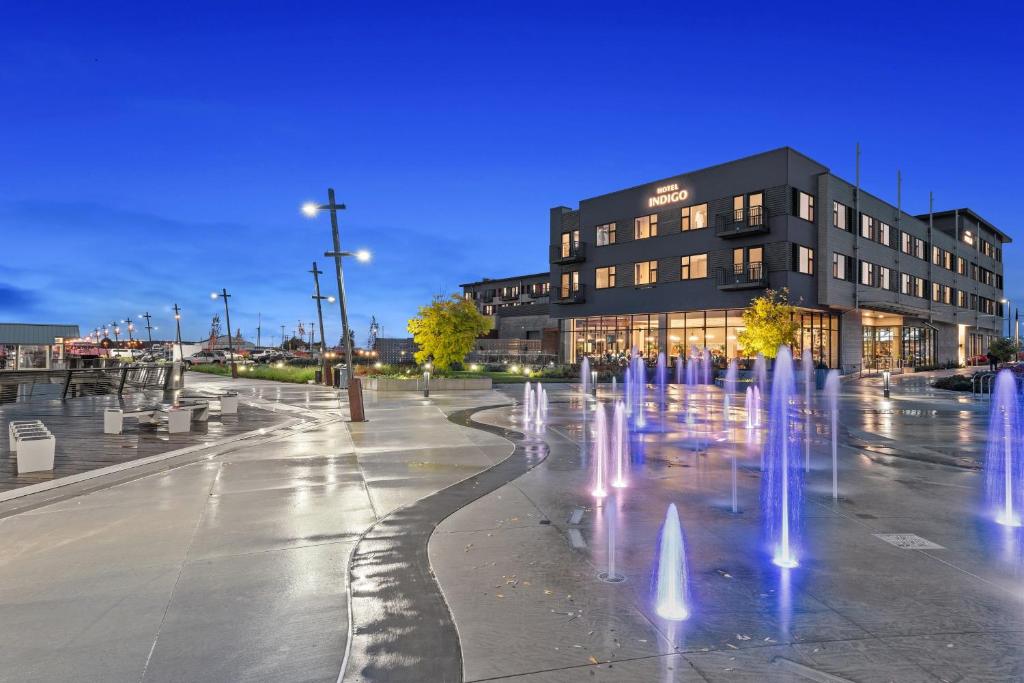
x=667, y=194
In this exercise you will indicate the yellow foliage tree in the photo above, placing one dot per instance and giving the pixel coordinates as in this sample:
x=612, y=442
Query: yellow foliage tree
x=769, y=323
x=446, y=329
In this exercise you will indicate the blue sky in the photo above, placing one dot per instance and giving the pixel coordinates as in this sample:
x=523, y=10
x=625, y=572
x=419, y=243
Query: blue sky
x=151, y=153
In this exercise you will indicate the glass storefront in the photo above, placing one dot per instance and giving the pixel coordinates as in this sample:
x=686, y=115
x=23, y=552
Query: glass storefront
x=898, y=344
x=609, y=338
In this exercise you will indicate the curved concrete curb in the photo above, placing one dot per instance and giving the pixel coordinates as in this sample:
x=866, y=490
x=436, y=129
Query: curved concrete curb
x=400, y=628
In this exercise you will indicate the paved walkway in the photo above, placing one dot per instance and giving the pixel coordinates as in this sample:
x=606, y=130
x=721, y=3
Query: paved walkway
x=520, y=572
x=232, y=567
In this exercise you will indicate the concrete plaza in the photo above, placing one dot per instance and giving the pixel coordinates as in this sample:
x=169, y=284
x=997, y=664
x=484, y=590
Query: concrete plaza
x=443, y=541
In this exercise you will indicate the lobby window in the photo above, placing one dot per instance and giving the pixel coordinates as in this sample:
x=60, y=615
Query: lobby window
x=840, y=216
x=884, y=234
x=805, y=206
x=885, y=278
x=693, y=267
x=645, y=226
x=867, y=273
x=906, y=243
x=803, y=259
x=694, y=217
x=867, y=227
x=605, y=234
x=645, y=273
x=605, y=277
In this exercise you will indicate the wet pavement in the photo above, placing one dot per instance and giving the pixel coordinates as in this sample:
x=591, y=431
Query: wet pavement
x=236, y=564
x=530, y=607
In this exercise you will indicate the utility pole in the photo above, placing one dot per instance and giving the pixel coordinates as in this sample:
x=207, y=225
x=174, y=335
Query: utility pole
x=259, y=323
x=333, y=208
x=282, y=337
x=128, y=323
x=227, y=319
x=149, y=328
x=177, y=322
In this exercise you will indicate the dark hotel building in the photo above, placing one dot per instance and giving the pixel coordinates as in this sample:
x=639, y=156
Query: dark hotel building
x=673, y=263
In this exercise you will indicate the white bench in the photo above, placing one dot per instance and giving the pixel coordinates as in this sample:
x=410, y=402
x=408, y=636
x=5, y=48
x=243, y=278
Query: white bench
x=34, y=444
x=228, y=400
x=180, y=417
x=113, y=418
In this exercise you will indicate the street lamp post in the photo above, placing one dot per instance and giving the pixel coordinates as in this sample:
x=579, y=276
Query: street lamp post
x=1006, y=315
x=117, y=332
x=149, y=328
x=328, y=378
x=131, y=326
x=333, y=207
x=282, y=337
x=227, y=318
x=177, y=322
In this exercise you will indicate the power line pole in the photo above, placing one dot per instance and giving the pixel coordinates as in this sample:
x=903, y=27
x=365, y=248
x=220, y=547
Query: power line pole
x=332, y=207
x=177, y=322
x=149, y=327
x=328, y=380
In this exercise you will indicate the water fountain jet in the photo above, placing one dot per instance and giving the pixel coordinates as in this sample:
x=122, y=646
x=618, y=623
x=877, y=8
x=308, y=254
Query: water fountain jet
x=672, y=584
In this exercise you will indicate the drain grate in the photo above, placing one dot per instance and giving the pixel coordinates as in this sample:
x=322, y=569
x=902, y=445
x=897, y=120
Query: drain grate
x=909, y=541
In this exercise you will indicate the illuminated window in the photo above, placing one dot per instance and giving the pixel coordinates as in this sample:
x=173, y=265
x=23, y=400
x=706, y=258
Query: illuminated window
x=570, y=284
x=805, y=206
x=920, y=249
x=605, y=234
x=605, y=277
x=906, y=243
x=906, y=284
x=884, y=234
x=840, y=266
x=645, y=226
x=867, y=273
x=840, y=214
x=968, y=237
x=885, y=278
x=693, y=267
x=867, y=227
x=803, y=259
x=961, y=265
x=694, y=217
x=645, y=273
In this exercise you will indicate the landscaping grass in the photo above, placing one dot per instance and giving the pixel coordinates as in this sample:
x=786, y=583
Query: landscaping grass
x=285, y=374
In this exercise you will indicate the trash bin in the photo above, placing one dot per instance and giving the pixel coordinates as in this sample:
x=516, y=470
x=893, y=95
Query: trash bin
x=340, y=376
x=318, y=376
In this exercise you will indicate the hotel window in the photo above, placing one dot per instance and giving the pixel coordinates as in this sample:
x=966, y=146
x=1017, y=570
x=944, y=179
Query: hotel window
x=605, y=277
x=803, y=259
x=755, y=208
x=906, y=243
x=936, y=256
x=906, y=284
x=840, y=216
x=961, y=298
x=947, y=295
x=968, y=237
x=645, y=273
x=841, y=266
x=867, y=227
x=694, y=217
x=805, y=206
x=885, y=278
x=645, y=226
x=570, y=284
x=961, y=265
x=605, y=234
x=947, y=260
x=693, y=267
x=920, y=288
x=488, y=309
x=936, y=292
x=884, y=234
x=570, y=242
x=920, y=249
x=867, y=273
x=511, y=292
x=986, y=248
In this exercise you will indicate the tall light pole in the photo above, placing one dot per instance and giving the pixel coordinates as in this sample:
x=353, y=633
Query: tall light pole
x=117, y=333
x=259, y=329
x=331, y=206
x=282, y=337
x=131, y=326
x=149, y=328
x=1006, y=315
x=177, y=321
x=227, y=318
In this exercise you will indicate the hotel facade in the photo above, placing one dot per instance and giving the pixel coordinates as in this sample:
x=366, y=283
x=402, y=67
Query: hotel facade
x=673, y=263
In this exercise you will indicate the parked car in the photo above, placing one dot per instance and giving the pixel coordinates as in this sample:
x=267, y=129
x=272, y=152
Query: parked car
x=205, y=357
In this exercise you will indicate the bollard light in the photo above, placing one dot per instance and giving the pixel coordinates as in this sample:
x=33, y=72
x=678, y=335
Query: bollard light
x=885, y=383
x=426, y=383
x=593, y=381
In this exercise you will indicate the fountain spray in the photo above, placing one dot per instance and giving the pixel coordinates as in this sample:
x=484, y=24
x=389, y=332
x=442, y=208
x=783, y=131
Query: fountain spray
x=672, y=584
x=782, y=476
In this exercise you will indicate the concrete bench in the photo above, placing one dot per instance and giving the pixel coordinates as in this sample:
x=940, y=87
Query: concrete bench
x=113, y=418
x=180, y=417
x=200, y=409
x=34, y=444
x=228, y=400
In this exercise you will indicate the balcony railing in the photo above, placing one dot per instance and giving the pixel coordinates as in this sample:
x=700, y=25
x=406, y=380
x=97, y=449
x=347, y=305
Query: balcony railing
x=749, y=221
x=570, y=252
x=568, y=295
x=748, y=276
x=510, y=296
x=536, y=293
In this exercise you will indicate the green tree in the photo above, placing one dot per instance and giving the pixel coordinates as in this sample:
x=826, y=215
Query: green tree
x=1004, y=349
x=446, y=329
x=768, y=324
